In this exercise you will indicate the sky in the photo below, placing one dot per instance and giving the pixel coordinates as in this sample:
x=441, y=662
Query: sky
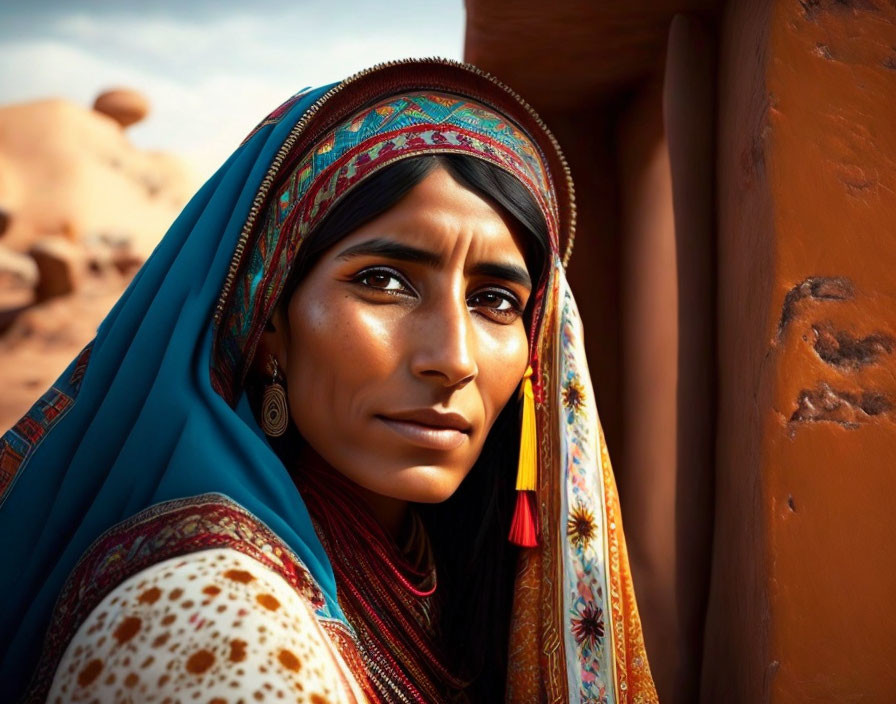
x=210, y=69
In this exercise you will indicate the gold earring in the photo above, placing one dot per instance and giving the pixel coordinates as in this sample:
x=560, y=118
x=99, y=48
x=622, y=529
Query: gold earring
x=274, y=412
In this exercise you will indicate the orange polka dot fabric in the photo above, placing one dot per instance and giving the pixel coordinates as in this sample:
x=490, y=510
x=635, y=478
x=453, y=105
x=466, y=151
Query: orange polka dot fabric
x=211, y=626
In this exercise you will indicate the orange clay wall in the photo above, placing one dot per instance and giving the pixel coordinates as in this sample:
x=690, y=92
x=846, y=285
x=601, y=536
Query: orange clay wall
x=803, y=582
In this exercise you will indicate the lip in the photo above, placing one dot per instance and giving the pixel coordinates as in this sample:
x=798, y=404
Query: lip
x=429, y=428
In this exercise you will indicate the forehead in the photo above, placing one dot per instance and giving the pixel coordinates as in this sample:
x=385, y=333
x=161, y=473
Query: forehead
x=440, y=215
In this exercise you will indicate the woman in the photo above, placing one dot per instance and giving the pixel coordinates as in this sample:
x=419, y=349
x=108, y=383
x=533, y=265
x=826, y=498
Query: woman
x=289, y=462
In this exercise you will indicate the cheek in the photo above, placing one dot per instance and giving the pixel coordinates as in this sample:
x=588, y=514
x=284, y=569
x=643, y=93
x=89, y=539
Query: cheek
x=503, y=356
x=337, y=350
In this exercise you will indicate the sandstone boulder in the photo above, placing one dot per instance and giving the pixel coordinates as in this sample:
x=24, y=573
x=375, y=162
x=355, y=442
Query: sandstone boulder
x=105, y=252
x=123, y=105
x=59, y=264
x=69, y=171
x=16, y=270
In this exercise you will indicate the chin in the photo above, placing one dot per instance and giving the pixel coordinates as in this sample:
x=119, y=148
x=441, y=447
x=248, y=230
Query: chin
x=422, y=484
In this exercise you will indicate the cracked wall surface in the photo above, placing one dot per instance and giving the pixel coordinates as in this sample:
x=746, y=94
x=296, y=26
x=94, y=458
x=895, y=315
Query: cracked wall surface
x=807, y=442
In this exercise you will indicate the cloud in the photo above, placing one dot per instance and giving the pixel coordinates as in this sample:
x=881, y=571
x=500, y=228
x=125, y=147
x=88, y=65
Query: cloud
x=210, y=77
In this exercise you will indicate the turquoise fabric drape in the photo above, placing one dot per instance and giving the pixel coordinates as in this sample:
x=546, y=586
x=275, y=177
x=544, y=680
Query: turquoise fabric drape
x=145, y=425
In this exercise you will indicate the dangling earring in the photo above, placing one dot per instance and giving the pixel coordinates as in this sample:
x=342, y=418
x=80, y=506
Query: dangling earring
x=274, y=413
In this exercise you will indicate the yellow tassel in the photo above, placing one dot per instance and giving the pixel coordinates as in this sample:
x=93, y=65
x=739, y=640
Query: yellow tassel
x=528, y=462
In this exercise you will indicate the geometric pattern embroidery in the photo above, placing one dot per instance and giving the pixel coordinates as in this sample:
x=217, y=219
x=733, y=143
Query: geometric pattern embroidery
x=20, y=441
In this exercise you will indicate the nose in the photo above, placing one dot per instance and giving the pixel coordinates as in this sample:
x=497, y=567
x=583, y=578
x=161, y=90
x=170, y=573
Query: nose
x=445, y=343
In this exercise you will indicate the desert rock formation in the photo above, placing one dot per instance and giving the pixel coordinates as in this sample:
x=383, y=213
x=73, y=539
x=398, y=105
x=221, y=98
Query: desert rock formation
x=69, y=171
x=80, y=208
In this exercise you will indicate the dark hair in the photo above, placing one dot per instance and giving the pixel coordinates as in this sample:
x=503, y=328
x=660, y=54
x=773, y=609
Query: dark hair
x=475, y=563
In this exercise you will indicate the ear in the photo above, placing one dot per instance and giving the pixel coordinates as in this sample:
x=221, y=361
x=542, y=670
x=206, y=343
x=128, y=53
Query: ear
x=273, y=343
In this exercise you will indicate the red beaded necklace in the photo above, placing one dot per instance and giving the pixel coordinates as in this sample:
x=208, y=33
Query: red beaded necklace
x=388, y=593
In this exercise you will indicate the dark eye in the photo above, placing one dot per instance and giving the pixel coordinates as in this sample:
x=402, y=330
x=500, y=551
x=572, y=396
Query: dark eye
x=497, y=304
x=382, y=280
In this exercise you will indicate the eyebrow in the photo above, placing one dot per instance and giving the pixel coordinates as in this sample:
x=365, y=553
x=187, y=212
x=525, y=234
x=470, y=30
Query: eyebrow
x=406, y=253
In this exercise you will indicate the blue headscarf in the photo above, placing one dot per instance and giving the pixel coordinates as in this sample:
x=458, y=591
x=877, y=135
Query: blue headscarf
x=142, y=424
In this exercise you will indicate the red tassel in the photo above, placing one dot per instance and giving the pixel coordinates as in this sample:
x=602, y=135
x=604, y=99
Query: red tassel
x=522, y=529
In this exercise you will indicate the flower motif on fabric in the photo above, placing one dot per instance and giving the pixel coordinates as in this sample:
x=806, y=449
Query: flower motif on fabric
x=580, y=526
x=600, y=698
x=588, y=626
x=573, y=396
x=585, y=559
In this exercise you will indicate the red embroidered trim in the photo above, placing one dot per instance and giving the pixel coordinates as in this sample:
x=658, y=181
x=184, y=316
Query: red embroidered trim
x=19, y=442
x=348, y=648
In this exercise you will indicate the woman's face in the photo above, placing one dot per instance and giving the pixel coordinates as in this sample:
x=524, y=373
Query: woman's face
x=406, y=340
